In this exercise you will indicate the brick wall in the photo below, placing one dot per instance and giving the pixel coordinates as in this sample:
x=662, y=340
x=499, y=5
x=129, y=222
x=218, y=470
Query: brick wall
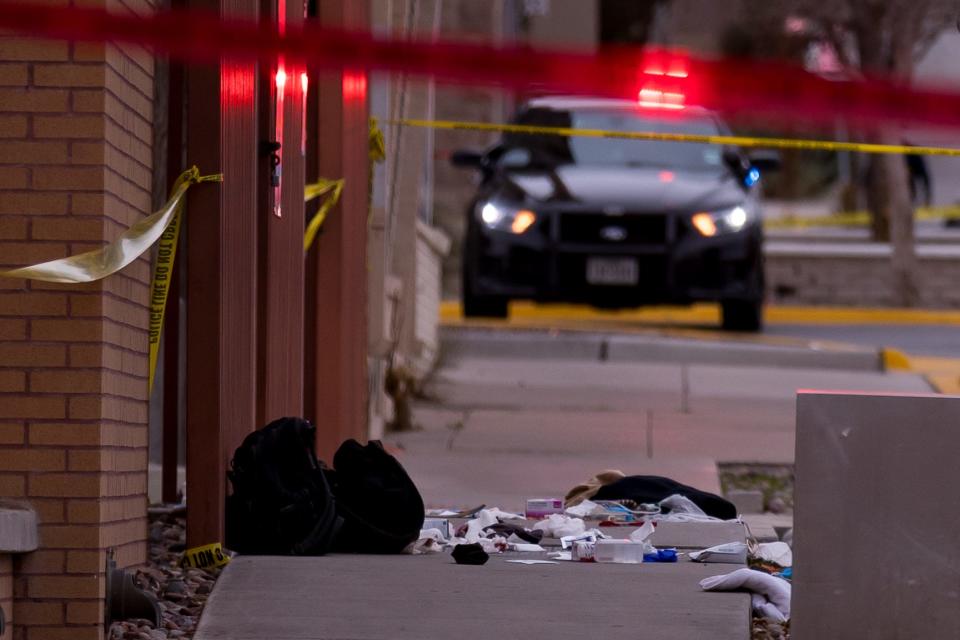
x=857, y=274
x=75, y=171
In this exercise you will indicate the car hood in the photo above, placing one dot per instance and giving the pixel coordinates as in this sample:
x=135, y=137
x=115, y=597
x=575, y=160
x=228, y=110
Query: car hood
x=634, y=189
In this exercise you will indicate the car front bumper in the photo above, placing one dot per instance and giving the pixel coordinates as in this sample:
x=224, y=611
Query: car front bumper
x=675, y=264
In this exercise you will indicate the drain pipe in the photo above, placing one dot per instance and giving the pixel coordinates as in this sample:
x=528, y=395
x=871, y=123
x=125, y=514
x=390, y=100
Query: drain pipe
x=125, y=599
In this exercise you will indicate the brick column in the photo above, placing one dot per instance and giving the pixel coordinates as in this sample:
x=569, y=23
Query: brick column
x=75, y=171
x=6, y=593
x=336, y=364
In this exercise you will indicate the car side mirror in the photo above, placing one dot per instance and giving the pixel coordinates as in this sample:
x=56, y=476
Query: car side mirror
x=736, y=161
x=517, y=158
x=466, y=159
x=765, y=160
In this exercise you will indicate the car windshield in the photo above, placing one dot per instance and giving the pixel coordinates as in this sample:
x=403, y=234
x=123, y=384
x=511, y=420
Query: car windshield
x=553, y=150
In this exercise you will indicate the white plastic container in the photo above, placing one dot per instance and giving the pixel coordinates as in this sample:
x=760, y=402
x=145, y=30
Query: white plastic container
x=619, y=551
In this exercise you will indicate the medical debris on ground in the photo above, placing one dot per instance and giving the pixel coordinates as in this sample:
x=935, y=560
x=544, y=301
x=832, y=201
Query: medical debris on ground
x=284, y=501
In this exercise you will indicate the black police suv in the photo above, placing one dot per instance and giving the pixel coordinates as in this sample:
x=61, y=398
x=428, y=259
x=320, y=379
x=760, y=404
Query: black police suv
x=614, y=223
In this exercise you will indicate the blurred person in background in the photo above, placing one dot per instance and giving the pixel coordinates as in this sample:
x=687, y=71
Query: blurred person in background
x=921, y=188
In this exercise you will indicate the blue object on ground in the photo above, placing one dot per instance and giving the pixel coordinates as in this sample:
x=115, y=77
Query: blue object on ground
x=662, y=555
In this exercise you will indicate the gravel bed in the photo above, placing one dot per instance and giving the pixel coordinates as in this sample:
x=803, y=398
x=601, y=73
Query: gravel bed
x=764, y=629
x=775, y=481
x=182, y=592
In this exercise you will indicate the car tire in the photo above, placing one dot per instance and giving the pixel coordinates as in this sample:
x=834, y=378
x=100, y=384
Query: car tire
x=742, y=315
x=484, y=307
x=475, y=306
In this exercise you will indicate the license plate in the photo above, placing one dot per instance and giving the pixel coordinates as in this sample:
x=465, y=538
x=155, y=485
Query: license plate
x=618, y=271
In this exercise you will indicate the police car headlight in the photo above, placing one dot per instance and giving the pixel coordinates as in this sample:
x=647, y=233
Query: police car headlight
x=715, y=223
x=505, y=218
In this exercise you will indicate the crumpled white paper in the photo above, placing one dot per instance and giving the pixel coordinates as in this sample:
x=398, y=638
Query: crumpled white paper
x=474, y=532
x=778, y=552
x=559, y=525
x=585, y=509
x=496, y=544
x=682, y=509
x=502, y=515
x=483, y=519
x=429, y=541
x=643, y=532
x=516, y=543
x=770, y=594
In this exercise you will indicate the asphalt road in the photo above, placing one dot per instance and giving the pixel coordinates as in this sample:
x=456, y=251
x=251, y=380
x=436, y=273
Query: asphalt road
x=918, y=339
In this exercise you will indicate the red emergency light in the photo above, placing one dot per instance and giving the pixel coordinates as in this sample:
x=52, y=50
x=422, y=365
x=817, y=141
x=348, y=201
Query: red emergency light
x=354, y=85
x=304, y=86
x=653, y=98
x=674, y=68
x=663, y=80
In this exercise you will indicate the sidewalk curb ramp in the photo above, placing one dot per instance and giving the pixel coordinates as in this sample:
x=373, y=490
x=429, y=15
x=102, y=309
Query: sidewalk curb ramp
x=942, y=374
x=460, y=342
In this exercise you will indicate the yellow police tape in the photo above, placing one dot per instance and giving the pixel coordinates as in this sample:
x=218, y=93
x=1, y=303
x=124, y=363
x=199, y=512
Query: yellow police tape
x=163, y=228
x=163, y=225
x=376, y=148
x=375, y=152
x=322, y=187
x=738, y=141
x=132, y=243
x=163, y=272
x=208, y=556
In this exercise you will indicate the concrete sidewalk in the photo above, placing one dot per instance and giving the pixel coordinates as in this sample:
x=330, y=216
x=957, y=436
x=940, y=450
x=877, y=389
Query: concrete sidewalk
x=501, y=429
x=343, y=597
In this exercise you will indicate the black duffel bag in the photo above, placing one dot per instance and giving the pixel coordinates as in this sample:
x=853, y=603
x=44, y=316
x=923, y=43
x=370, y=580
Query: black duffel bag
x=281, y=503
x=381, y=508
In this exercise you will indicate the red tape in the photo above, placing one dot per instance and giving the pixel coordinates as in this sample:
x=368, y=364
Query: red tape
x=745, y=89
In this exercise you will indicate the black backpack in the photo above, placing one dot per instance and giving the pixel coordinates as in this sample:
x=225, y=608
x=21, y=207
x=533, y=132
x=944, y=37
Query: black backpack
x=281, y=503
x=382, y=510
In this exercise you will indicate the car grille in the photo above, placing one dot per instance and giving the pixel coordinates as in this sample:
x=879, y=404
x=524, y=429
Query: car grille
x=597, y=228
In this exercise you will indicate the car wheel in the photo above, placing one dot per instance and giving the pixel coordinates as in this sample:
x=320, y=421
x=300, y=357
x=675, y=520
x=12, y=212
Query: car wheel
x=475, y=306
x=742, y=315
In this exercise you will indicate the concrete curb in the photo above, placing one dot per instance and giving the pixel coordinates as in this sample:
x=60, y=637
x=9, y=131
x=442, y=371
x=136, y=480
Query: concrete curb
x=459, y=342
